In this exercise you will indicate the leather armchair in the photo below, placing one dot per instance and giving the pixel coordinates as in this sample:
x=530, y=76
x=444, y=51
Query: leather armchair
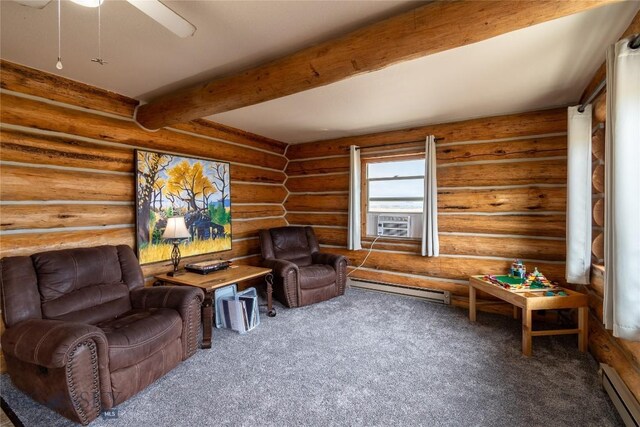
x=302, y=274
x=84, y=334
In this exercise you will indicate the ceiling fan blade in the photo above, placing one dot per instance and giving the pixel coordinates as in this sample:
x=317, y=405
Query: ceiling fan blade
x=165, y=17
x=38, y=4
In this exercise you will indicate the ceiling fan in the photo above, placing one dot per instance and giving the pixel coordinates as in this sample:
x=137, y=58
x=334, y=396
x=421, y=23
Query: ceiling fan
x=155, y=9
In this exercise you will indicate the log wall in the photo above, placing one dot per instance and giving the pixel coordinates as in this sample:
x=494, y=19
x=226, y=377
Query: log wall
x=502, y=194
x=622, y=355
x=66, y=173
x=67, y=168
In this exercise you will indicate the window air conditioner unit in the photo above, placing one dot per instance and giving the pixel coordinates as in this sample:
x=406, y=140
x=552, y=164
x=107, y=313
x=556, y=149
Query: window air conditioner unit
x=394, y=225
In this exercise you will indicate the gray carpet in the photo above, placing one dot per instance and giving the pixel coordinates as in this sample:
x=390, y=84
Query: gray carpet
x=367, y=359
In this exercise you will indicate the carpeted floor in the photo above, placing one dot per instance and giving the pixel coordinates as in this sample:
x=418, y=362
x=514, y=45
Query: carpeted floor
x=367, y=359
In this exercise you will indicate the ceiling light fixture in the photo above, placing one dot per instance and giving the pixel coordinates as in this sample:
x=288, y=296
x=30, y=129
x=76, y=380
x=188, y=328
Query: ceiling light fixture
x=88, y=3
x=154, y=9
x=99, y=59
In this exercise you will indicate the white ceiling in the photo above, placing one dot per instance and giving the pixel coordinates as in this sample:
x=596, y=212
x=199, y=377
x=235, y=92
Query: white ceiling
x=540, y=67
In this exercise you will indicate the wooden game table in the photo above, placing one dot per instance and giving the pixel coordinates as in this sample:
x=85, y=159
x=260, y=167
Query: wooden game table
x=530, y=301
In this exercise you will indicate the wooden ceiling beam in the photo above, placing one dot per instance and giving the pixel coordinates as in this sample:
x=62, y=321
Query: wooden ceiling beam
x=431, y=28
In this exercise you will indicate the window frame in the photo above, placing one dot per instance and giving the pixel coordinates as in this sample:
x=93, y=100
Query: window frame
x=364, y=193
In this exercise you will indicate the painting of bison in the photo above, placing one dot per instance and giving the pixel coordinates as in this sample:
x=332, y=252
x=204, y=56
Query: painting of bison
x=168, y=185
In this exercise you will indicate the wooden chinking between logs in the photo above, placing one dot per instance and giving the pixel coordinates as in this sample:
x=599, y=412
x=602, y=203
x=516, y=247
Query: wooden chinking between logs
x=501, y=194
x=59, y=134
x=622, y=355
x=70, y=163
x=90, y=183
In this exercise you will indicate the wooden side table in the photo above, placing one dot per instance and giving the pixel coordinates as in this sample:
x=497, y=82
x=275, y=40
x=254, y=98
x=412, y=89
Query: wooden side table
x=530, y=301
x=218, y=279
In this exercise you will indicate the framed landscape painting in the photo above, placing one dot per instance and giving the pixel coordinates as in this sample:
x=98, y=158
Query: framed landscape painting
x=197, y=190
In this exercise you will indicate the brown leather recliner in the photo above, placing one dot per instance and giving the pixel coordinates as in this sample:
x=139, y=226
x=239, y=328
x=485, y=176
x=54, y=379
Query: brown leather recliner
x=84, y=334
x=302, y=274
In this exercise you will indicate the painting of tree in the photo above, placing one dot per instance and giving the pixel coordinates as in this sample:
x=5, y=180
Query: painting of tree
x=150, y=166
x=221, y=173
x=196, y=189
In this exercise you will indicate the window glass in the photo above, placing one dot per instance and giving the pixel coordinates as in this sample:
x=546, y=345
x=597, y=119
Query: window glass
x=397, y=189
x=396, y=186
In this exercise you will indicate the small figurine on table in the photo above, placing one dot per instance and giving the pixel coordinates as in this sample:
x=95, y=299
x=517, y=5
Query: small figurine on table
x=518, y=269
x=537, y=280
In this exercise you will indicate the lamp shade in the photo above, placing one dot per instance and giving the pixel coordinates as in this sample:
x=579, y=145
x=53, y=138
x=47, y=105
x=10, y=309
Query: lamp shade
x=176, y=229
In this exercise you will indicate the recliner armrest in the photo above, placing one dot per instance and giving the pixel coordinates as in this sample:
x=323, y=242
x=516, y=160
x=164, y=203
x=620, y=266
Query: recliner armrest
x=49, y=343
x=280, y=267
x=328, y=259
x=176, y=297
x=186, y=300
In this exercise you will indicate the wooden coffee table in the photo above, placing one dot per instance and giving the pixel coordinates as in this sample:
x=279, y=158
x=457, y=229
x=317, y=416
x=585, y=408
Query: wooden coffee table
x=218, y=279
x=530, y=301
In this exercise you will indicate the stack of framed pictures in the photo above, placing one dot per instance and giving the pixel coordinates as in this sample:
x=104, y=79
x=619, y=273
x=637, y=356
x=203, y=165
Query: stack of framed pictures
x=235, y=310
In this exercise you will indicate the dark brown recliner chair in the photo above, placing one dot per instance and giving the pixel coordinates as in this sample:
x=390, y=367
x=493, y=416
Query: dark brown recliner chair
x=84, y=334
x=302, y=274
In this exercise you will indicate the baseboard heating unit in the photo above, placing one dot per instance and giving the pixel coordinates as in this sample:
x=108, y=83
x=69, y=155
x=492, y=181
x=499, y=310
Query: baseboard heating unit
x=433, y=295
x=626, y=404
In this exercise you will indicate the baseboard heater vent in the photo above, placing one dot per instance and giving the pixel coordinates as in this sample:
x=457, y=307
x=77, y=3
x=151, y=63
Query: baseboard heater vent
x=626, y=404
x=433, y=295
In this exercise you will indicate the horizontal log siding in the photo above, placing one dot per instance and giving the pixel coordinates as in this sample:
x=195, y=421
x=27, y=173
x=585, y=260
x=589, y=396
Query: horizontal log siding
x=502, y=194
x=67, y=168
x=622, y=355
x=506, y=127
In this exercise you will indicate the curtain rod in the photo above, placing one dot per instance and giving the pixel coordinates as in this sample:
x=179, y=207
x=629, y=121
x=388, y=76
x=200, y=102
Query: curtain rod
x=393, y=143
x=593, y=95
x=634, y=43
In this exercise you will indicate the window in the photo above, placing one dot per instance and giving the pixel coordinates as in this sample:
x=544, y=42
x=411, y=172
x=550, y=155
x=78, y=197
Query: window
x=395, y=186
x=393, y=194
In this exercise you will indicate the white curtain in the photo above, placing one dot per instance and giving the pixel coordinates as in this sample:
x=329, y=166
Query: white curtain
x=353, y=240
x=578, y=267
x=430, y=242
x=622, y=193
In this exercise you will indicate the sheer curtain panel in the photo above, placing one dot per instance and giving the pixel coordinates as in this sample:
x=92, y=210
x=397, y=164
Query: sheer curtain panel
x=430, y=242
x=354, y=232
x=622, y=193
x=578, y=269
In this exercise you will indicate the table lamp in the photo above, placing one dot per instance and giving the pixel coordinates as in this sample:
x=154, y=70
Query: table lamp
x=175, y=231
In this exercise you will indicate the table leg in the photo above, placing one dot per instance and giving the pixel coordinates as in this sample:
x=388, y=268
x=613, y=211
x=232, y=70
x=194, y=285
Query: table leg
x=472, y=303
x=583, y=328
x=515, y=311
x=271, y=311
x=207, y=319
x=526, y=331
